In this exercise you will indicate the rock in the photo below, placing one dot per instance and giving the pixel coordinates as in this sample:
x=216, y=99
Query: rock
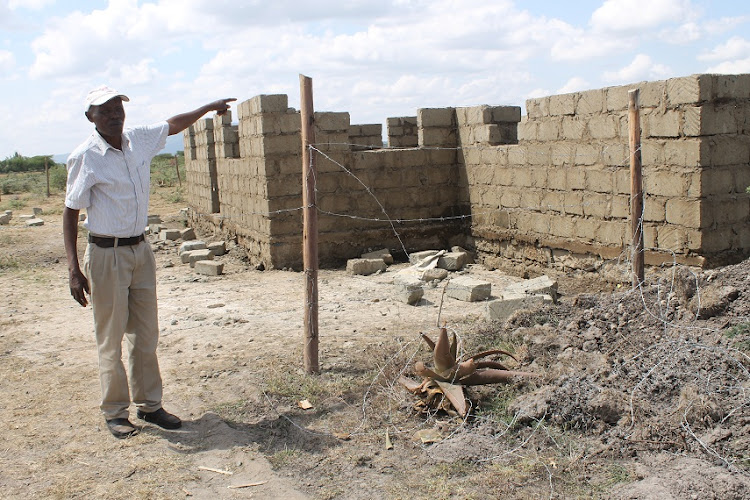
x=187, y=234
x=154, y=219
x=384, y=254
x=37, y=211
x=4, y=219
x=434, y=274
x=468, y=289
x=365, y=266
x=411, y=294
x=712, y=300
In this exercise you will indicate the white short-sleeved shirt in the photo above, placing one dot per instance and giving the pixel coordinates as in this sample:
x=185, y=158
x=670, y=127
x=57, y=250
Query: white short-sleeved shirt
x=113, y=185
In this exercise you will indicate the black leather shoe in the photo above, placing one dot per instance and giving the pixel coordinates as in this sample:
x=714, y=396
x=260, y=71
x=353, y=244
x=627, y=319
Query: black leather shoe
x=162, y=418
x=121, y=428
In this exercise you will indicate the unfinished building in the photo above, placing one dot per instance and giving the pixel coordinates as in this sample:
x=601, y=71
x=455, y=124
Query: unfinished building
x=552, y=187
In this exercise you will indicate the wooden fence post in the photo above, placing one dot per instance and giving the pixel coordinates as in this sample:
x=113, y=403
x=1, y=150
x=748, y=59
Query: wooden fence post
x=636, y=186
x=310, y=227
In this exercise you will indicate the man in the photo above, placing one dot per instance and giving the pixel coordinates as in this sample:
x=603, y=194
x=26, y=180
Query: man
x=109, y=176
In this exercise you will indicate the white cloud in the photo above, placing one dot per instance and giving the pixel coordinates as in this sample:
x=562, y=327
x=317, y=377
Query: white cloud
x=736, y=47
x=575, y=84
x=731, y=67
x=29, y=4
x=641, y=68
x=7, y=61
x=637, y=15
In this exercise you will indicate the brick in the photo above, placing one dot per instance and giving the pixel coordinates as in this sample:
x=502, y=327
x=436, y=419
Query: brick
x=731, y=86
x=198, y=255
x=191, y=245
x=218, y=248
x=686, y=213
x=209, y=268
x=573, y=128
x=549, y=130
x=502, y=309
x=591, y=102
x=543, y=285
x=468, y=289
x=662, y=124
x=332, y=121
x=383, y=254
x=454, y=261
x=564, y=104
x=274, y=103
x=436, y=117
x=365, y=266
x=169, y=234
x=603, y=127
x=692, y=89
x=501, y=114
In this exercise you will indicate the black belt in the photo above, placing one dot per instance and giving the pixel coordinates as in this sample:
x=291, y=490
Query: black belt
x=115, y=242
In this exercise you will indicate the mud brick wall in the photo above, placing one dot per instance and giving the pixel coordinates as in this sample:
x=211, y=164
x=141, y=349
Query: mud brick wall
x=552, y=187
x=563, y=192
x=200, y=167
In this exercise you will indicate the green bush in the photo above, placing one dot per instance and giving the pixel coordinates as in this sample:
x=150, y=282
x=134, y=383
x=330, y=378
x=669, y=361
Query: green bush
x=58, y=177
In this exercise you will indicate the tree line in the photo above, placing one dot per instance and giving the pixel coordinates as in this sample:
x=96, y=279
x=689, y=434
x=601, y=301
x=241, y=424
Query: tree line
x=19, y=163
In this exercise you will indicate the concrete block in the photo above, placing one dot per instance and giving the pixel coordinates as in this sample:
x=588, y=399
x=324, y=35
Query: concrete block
x=169, y=234
x=34, y=222
x=155, y=228
x=209, y=268
x=9, y=212
x=503, y=308
x=37, y=211
x=4, y=219
x=543, y=285
x=468, y=289
x=189, y=246
x=154, y=219
x=436, y=117
x=218, y=248
x=410, y=294
x=187, y=234
x=563, y=104
x=365, y=266
x=454, y=261
x=198, y=255
x=273, y=103
x=383, y=254
x=25, y=217
x=332, y=121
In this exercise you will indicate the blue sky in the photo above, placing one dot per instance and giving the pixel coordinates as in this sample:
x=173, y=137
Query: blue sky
x=374, y=59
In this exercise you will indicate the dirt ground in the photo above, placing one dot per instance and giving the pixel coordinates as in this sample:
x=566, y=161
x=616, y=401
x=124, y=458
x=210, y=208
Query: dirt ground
x=641, y=393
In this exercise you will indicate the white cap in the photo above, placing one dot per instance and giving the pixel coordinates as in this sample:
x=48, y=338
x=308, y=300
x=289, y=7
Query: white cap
x=102, y=94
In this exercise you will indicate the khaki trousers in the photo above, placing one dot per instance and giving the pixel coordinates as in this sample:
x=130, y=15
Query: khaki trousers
x=122, y=282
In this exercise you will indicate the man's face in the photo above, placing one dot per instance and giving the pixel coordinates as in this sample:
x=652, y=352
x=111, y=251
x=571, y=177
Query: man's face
x=109, y=117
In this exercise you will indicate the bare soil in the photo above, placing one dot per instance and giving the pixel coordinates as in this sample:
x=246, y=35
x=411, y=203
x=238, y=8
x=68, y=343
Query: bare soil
x=641, y=393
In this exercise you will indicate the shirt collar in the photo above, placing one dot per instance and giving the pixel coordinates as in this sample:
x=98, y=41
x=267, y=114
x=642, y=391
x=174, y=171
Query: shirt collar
x=102, y=145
